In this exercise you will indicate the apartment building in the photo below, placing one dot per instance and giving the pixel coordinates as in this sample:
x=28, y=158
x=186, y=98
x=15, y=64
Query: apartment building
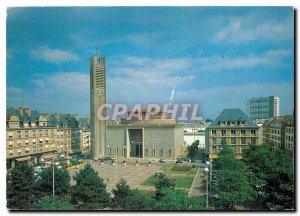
x=278, y=133
x=232, y=127
x=85, y=135
x=32, y=136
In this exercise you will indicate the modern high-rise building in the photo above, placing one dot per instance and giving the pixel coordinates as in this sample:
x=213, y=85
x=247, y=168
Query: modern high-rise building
x=97, y=98
x=264, y=108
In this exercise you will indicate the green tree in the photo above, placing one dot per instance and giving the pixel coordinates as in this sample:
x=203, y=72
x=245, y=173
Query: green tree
x=90, y=190
x=44, y=184
x=54, y=203
x=129, y=199
x=192, y=149
x=272, y=175
x=233, y=185
x=19, y=190
x=178, y=200
x=163, y=182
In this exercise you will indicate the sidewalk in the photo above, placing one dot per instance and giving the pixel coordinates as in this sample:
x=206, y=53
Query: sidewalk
x=196, y=188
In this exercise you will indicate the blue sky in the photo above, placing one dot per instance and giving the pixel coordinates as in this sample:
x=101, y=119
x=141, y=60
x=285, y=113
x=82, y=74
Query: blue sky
x=222, y=56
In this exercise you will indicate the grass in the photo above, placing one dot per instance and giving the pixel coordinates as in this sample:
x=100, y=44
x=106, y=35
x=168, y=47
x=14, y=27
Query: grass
x=170, y=169
x=149, y=181
x=184, y=182
x=180, y=181
x=148, y=193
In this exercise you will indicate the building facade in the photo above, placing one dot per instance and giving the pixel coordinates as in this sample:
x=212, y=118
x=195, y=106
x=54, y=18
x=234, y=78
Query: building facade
x=97, y=99
x=33, y=137
x=154, y=138
x=278, y=133
x=85, y=135
x=263, y=108
x=232, y=127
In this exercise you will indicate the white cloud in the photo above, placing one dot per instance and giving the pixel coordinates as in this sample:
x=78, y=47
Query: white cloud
x=272, y=58
x=70, y=83
x=252, y=27
x=14, y=90
x=54, y=56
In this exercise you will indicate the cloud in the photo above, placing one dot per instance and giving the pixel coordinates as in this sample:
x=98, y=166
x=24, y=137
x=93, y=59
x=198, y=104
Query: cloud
x=14, y=90
x=273, y=58
x=252, y=27
x=54, y=56
x=69, y=83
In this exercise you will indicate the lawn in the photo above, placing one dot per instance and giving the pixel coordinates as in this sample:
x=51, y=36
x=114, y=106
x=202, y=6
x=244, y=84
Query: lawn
x=184, y=182
x=149, y=181
x=180, y=181
x=148, y=193
x=171, y=169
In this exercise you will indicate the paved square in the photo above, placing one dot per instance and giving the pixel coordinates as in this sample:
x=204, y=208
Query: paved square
x=134, y=175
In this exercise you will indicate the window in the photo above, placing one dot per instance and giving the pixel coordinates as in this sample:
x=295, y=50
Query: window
x=153, y=152
x=146, y=152
x=40, y=133
x=109, y=150
x=46, y=132
x=233, y=140
x=19, y=134
x=123, y=151
x=243, y=140
x=170, y=152
x=232, y=132
x=243, y=133
x=117, y=151
x=214, y=141
x=10, y=135
x=253, y=132
x=223, y=132
x=223, y=141
x=213, y=132
x=253, y=141
x=161, y=152
x=214, y=148
x=26, y=134
x=10, y=144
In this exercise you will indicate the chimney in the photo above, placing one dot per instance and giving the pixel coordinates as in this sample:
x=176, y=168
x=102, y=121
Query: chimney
x=28, y=111
x=21, y=111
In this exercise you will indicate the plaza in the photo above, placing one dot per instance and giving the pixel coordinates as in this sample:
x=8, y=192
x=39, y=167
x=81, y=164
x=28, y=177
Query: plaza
x=134, y=175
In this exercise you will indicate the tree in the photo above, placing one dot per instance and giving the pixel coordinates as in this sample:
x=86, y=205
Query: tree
x=179, y=200
x=192, y=149
x=90, y=190
x=233, y=185
x=44, y=184
x=54, y=203
x=128, y=199
x=19, y=190
x=273, y=176
x=163, y=182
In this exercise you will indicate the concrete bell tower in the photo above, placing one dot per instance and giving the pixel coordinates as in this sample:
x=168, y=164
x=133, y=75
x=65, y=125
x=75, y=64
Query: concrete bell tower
x=97, y=98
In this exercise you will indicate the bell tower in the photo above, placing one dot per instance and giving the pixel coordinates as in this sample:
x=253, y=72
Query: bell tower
x=97, y=98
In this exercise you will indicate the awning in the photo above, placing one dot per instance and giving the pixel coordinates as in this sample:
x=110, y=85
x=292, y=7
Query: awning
x=27, y=149
x=33, y=140
x=26, y=141
x=41, y=139
x=23, y=158
x=48, y=156
x=47, y=138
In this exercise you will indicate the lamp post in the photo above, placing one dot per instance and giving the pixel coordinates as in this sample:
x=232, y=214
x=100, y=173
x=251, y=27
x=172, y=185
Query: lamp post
x=206, y=169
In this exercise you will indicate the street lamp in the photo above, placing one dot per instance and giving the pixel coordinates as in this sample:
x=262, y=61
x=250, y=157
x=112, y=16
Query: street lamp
x=206, y=170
